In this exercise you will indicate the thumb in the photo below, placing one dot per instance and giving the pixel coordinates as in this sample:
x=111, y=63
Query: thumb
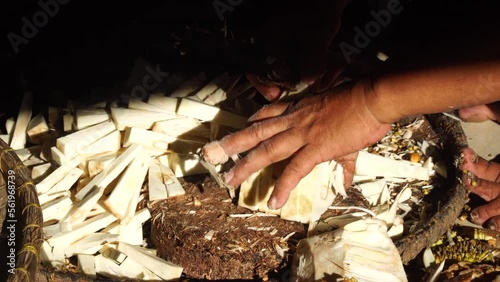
x=348, y=162
x=481, y=113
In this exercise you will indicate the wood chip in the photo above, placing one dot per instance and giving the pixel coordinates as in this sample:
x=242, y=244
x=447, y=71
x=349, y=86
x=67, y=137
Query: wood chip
x=137, y=104
x=86, y=264
x=162, y=268
x=100, y=162
x=157, y=188
x=10, y=123
x=190, y=86
x=147, y=138
x=53, y=179
x=128, y=187
x=75, y=143
x=68, y=122
x=56, y=209
x=182, y=126
x=87, y=117
x=18, y=140
x=39, y=172
x=206, y=112
x=129, y=269
x=37, y=127
x=115, y=168
x=124, y=118
x=166, y=104
x=67, y=182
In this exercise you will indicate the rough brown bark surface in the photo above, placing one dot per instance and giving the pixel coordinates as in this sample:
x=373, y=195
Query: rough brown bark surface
x=453, y=139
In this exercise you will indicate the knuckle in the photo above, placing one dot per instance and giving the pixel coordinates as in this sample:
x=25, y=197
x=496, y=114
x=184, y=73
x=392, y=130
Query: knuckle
x=488, y=211
x=295, y=168
x=256, y=130
x=243, y=163
x=495, y=207
x=314, y=155
x=485, y=190
x=268, y=147
x=258, y=114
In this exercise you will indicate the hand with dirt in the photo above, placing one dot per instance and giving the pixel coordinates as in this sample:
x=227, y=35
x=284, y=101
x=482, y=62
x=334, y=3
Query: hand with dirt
x=483, y=179
x=332, y=125
x=339, y=122
x=482, y=176
x=300, y=37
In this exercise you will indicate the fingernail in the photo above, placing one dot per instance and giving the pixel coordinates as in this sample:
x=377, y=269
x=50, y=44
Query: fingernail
x=475, y=158
x=492, y=225
x=474, y=215
x=228, y=176
x=271, y=204
x=461, y=161
x=272, y=97
x=252, y=117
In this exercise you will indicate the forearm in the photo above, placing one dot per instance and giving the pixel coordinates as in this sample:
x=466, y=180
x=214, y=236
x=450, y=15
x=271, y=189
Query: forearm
x=432, y=90
x=436, y=76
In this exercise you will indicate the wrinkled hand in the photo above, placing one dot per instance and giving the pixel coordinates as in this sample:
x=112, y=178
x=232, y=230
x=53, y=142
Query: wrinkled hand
x=482, y=177
x=328, y=126
x=305, y=40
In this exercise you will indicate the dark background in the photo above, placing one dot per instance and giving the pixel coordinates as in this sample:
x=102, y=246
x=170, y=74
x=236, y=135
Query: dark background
x=90, y=44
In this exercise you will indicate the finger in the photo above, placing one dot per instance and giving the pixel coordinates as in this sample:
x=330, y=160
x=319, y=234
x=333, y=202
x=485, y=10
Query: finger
x=217, y=152
x=483, y=188
x=348, y=162
x=269, y=111
x=482, y=213
x=480, y=113
x=271, y=93
x=300, y=165
x=475, y=114
x=251, y=136
x=279, y=147
x=479, y=166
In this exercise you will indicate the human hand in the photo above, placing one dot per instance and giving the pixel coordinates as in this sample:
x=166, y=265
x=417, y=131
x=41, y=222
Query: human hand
x=328, y=126
x=482, y=178
x=304, y=41
x=481, y=113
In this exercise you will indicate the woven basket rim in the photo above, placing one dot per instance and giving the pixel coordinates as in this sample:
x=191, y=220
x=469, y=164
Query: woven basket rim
x=29, y=222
